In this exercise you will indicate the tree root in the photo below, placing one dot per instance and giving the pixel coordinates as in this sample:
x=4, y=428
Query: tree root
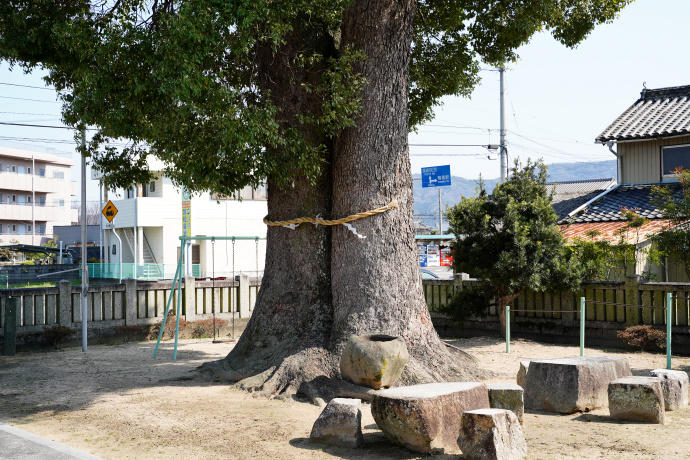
x=313, y=374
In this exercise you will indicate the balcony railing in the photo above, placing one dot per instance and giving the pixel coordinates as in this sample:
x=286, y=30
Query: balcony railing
x=138, y=271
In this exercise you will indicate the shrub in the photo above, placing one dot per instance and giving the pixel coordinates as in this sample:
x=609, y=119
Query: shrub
x=204, y=327
x=57, y=335
x=643, y=336
x=129, y=333
x=169, y=328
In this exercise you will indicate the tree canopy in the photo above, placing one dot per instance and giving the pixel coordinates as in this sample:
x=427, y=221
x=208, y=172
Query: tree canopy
x=179, y=80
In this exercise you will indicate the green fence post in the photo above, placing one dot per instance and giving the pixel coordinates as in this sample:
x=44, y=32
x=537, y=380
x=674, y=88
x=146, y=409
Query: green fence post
x=9, y=341
x=582, y=326
x=668, y=330
x=507, y=328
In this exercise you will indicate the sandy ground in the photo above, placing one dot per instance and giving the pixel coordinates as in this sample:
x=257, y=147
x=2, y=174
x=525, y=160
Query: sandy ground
x=118, y=402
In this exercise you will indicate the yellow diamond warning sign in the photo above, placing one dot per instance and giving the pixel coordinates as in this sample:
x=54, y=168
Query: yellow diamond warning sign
x=110, y=211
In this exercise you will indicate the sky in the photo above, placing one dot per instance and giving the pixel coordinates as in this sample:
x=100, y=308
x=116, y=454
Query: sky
x=557, y=99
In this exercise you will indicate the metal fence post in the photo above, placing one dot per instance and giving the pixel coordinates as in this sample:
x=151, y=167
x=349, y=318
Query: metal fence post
x=582, y=326
x=668, y=330
x=507, y=328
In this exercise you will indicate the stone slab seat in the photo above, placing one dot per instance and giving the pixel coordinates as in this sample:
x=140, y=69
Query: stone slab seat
x=675, y=387
x=509, y=396
x=340, y=424
x=427, y=418
x=568, y=385
x=491, y=434
x=637, y=398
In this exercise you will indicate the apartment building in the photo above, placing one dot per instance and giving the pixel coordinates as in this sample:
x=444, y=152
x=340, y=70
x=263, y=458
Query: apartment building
x=149, y=222
x=35, y=195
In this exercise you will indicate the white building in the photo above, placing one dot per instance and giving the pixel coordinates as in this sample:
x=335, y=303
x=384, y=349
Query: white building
x=35, y=195
x=148, y=223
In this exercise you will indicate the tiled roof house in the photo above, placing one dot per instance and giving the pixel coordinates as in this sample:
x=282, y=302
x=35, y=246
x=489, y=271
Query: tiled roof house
x=650, y=140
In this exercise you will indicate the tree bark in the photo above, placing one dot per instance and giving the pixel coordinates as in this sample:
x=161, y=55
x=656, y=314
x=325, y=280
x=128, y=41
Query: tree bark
x=377, y=285
x=322, y=285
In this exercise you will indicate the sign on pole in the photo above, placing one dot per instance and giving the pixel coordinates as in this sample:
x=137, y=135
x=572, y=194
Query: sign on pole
x=109, y=211
x=436, y=176
x=186, y=213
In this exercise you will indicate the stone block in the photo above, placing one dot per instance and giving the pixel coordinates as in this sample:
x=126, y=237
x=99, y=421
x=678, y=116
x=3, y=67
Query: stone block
x=491, y=434
x=340, y=424
x=375, y=361
x=507, y=396
x=522, y=373
x=637, y=398
x=675, y=387
x=427, y=418
x=569, y=385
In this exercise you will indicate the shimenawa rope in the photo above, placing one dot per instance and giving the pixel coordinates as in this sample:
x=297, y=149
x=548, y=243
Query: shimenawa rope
x=319, y=221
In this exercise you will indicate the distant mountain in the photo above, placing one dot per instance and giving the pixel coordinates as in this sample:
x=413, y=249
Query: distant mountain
x=426, y=199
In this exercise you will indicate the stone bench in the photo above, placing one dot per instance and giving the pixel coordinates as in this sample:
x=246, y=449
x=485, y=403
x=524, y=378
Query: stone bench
x=507, y=396
x=427, y=418
x=637, y=398
x=568, y=385
x=491, y=434
x=675, y=387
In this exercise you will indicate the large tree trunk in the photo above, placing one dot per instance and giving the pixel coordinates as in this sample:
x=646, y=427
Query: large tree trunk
x=320, y=285
x=377, y=285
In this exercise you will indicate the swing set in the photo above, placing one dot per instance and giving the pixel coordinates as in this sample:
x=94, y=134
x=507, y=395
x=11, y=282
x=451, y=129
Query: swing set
x=177, y=282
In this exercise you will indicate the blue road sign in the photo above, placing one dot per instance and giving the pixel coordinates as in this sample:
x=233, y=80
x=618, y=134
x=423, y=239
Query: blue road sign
x=436, y=176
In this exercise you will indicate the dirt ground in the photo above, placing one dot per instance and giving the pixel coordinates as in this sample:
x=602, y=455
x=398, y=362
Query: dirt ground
x=118, y=402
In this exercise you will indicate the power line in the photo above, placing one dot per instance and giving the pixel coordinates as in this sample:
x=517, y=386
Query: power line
x=27, y=86
x=449, y=145
x=35, y=126
x=30, y=113
x=32, y=100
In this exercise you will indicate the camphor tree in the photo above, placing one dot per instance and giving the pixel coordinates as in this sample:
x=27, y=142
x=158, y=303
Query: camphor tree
x=509, y=240
x=316, y=97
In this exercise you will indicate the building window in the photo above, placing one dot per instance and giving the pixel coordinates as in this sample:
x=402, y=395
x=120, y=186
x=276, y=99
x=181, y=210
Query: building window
x=14, y=198
x=673, y=157
x=152, y=186
x=114, y=249
x=61, y=203
x=41, y=229
x=0, y=198
x=21, y=170
x=28, y=198
x=14, y=228
x=13, y=169
x=41, y=201
x=42, y=172
x=28, y=170
x=28, y=228
x=58, y=175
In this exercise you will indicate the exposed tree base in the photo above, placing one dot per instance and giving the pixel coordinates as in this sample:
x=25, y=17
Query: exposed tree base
x=314, y=374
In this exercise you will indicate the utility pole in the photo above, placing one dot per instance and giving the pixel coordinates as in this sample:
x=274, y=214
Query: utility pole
x=84, y=267
x=504, y=168
x=440, y=214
